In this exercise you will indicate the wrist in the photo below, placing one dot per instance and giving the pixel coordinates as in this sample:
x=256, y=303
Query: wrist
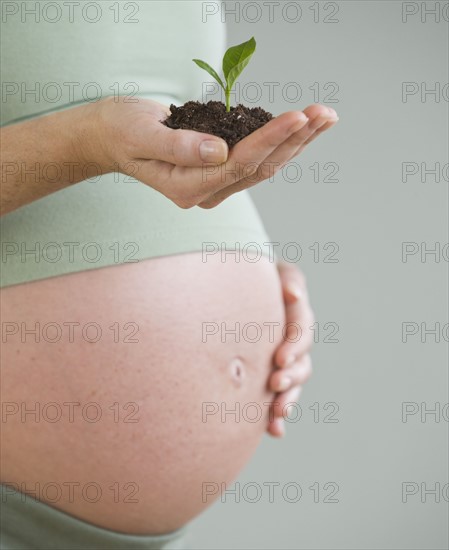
x=89, y=140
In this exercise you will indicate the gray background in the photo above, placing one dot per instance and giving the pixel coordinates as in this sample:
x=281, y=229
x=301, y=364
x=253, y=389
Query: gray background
x=369, y=212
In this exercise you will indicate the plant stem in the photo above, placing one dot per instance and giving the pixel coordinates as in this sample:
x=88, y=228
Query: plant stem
x=228, y=96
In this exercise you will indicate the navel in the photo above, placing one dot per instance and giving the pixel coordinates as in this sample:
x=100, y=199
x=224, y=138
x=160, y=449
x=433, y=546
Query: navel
x=237, y=371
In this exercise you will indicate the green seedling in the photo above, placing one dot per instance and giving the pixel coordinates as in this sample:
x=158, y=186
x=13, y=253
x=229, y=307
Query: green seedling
x=235, y=60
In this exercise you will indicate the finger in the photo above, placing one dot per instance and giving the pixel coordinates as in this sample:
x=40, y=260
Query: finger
x=275, y=160
x=255, y=148
x=299, y=315
x=184, y=185
x=323, y=128
x=282, y=380
x=276, y=427
x=295, y=346
x=203, y=181
x=196, y=185
x=310, y=131
x=180, y=147
x=297, y=332
x=318, y=132
x=246, y=161
x=284, y=400
x=321, y=118
x=293, y=282
x=326, y=126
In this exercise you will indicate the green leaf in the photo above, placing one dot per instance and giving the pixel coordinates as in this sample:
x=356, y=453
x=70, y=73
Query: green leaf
x=211, y=71
x=236, y=59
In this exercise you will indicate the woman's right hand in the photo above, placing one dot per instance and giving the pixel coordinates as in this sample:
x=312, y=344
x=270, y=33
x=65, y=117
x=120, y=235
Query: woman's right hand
x=193, y=168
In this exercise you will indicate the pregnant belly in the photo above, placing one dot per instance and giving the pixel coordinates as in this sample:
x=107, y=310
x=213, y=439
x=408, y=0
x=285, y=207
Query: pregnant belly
x=132, y=394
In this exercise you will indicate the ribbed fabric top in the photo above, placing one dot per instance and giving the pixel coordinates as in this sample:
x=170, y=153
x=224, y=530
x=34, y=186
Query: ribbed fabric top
x=62, y=53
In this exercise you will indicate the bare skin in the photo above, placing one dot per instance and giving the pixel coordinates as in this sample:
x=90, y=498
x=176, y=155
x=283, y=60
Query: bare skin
x=292, y=359
x=153, y=370
x=99, y=137
x=114, y=135
x=171, y=449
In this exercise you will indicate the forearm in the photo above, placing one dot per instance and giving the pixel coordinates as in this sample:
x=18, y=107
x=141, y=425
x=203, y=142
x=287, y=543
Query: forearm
x=49, y=153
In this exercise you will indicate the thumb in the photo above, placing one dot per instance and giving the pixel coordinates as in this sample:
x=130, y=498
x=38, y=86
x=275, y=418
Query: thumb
x=186, y=147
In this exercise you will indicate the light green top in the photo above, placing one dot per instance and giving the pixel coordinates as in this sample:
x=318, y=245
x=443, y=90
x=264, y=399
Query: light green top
x=27, y=524
x=56, y=55
x=113, y=220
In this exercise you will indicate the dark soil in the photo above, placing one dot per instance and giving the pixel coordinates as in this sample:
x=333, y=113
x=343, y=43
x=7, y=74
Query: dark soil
x=212, y=118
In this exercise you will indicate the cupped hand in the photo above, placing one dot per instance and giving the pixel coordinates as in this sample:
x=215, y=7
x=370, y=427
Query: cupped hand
x=193, y=168
x=292, y=358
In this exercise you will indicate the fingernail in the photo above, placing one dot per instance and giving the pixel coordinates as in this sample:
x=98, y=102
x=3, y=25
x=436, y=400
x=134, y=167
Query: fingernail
x=284, y=383
x=294, y=290
x=213, y=151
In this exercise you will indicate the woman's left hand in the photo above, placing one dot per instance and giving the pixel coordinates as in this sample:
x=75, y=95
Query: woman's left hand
x=292, y=357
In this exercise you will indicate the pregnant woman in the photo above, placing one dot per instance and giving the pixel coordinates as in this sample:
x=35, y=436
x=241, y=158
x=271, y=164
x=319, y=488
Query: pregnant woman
x=121, y=358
